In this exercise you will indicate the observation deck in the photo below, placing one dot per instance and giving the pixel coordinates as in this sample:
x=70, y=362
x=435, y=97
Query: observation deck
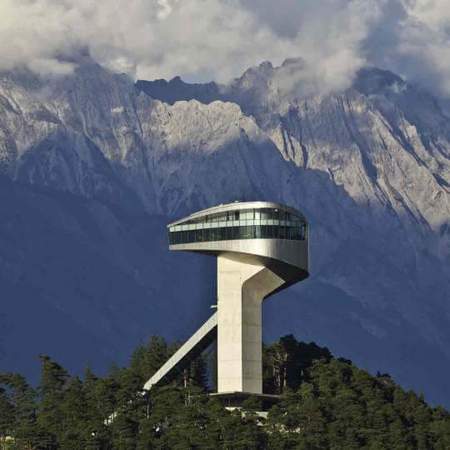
x=259, y=232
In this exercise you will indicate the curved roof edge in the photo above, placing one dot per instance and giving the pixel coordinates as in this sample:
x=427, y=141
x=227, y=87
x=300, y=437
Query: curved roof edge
x=237, y=205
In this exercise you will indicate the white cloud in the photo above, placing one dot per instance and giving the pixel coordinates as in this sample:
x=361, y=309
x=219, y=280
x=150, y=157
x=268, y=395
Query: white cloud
x=165, y=9
x=154, y=38
x=423, y=50
x=218, y=39
x=329, y=39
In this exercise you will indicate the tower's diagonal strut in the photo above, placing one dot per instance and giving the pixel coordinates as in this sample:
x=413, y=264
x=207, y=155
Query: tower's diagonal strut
x=198, y=342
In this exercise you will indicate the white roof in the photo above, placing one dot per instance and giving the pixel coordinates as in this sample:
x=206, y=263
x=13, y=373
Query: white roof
x=237, y=206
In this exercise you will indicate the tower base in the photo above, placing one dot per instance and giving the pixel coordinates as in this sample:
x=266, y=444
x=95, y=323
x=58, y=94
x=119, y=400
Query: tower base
x=262, y=402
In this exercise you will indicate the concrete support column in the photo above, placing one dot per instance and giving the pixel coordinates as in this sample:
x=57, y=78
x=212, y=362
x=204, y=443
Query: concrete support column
x=241, y=288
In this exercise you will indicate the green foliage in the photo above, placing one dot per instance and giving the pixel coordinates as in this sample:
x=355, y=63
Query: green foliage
x=344, y=407
x=325, y=403
x=285, y=363
x=18, y=411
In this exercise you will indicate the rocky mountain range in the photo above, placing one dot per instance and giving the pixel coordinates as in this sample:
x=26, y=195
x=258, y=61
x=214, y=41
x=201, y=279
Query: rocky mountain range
x=95, y=165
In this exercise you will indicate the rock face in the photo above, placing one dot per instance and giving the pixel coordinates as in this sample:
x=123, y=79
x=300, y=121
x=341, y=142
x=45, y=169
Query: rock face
x=94, y=166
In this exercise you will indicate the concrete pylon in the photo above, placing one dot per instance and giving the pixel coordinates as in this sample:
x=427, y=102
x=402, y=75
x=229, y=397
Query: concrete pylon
x=241, y=289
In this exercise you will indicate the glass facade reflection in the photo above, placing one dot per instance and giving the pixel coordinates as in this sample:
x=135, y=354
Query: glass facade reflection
x=266, y=223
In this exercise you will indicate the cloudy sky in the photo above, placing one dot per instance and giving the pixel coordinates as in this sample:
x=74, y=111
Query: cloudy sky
x=218, y=39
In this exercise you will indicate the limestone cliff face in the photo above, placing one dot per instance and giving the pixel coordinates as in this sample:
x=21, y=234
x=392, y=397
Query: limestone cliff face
x=94, y=166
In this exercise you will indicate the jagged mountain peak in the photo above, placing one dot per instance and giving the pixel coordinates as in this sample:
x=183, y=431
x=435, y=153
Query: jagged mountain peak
x=372, y=80
x=256, y=83
x=262, y=71
x=176, y=89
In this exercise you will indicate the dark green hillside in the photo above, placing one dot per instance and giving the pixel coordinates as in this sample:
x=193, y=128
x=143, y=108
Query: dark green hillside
x=326, y=403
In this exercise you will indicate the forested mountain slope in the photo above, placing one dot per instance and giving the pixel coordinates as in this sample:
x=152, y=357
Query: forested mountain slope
x=324, y=403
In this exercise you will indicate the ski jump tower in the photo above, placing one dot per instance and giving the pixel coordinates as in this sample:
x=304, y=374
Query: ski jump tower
x=261, y=248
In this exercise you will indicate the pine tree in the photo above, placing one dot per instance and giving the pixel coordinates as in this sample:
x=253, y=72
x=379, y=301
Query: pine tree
x=100, y=403
x=7, y=414
x=20, y=401
x=75, y=433
x=147, y=359
x=50, y=415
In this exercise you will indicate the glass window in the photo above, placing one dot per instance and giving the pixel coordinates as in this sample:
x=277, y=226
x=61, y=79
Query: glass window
x=290, y=233
x=224, y=233
x=250, y=224
x=247, y=215
x=265, y=214
x=275, y=232
x=246, y=232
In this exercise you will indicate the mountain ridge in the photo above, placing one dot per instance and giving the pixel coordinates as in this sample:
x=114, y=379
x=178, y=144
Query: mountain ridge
x=369, y=169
